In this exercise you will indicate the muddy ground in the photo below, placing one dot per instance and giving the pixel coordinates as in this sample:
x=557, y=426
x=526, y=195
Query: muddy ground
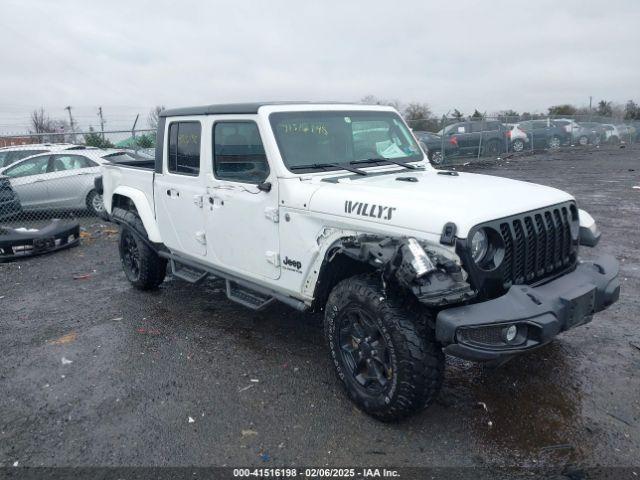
x=94, y=372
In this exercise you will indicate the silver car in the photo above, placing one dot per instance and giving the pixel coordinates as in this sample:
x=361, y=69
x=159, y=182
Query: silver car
x=57, y=180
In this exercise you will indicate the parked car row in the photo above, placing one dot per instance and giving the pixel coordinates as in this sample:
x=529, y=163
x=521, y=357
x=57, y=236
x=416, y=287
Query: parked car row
x=55, y=177
x=491, y=137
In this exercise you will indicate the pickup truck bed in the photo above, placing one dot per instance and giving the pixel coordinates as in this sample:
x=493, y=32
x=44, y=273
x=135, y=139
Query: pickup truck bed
x=134, y=182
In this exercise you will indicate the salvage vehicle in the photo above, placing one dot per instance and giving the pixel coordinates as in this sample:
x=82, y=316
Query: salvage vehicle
x=57, y=180
x=436, y=144
x=9, y=155
x=478, y=137
x=287, y=202
x=579, y=135
x=545, y=134
x=9, y=202
x=517, y=137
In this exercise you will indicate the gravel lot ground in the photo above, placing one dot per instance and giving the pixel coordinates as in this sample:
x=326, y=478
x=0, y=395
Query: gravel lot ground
x=94, y=372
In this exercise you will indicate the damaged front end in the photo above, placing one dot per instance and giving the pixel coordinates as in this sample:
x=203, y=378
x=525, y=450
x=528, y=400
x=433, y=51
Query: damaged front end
x=434, y=279
x=22, y=242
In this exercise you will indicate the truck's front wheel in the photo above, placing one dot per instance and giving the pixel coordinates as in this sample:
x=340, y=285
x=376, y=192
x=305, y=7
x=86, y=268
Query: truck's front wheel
x=382, y=351
x=142, y=266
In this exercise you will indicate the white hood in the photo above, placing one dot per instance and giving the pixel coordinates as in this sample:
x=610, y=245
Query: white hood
x=427, y=204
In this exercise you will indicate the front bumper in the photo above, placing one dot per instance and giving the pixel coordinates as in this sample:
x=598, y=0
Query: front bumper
x=19, y=243
x=477, y=331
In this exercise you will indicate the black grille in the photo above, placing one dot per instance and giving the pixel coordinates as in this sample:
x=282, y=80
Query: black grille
x=484, y=335
x=537, y=244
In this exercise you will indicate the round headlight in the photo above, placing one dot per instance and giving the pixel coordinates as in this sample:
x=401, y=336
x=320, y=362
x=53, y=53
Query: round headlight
x=510, y=333
x=479, y=245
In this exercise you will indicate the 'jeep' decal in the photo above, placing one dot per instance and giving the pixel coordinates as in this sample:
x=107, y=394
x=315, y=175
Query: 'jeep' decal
x=289, y=262
x=366, y=210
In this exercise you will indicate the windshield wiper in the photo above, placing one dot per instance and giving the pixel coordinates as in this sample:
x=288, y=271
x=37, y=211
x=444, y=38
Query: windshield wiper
x=390, y=160
x=327, y=165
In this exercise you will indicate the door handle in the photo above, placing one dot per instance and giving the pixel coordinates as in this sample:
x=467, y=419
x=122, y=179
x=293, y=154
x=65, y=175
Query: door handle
x=215, y=201
x=172, y=192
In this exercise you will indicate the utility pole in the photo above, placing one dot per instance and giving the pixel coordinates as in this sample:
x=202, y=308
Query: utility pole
x=133, y=132
x=73, y=131
x=101, y=122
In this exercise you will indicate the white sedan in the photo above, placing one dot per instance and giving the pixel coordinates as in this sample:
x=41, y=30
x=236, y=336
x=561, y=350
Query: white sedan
x=60, y=180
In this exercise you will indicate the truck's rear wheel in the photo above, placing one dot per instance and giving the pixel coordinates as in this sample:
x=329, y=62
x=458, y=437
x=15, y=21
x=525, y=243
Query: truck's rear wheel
x=384, y=353
x=142, y=266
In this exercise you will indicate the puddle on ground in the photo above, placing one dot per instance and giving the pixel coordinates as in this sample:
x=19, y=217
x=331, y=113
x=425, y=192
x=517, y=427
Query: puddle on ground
x=533, y=406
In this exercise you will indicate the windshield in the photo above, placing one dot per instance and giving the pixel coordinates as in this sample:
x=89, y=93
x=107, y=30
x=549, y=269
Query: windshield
x=321, y=138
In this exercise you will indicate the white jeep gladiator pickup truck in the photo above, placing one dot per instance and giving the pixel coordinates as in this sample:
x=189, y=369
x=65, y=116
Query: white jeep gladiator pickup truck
x=335, y=208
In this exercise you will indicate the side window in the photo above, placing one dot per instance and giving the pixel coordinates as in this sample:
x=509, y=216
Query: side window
x=7, y=158
x=477, y=127
x=33, y=166
x=62, y=163
x=183, y=154
x=238, y=153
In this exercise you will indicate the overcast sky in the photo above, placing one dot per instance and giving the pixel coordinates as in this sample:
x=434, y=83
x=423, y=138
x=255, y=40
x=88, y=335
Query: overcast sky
x=130, y=55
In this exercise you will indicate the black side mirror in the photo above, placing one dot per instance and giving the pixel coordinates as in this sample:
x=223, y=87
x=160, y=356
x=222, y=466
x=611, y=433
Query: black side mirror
x=264, y=187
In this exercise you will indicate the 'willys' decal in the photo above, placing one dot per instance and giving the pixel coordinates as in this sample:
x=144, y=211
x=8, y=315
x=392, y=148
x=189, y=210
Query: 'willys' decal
x=369, y=210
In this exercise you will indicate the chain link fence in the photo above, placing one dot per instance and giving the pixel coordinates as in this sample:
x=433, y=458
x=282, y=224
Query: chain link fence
x=455, y=140
x=49, y=176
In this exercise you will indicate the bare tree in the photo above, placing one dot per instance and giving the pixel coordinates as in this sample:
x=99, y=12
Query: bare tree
x=41, y=122
x=373, y=100
x=418, y=116
x=154, y=116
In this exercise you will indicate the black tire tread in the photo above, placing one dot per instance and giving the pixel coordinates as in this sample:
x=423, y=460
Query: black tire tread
x=420, y=357
x=153, y=268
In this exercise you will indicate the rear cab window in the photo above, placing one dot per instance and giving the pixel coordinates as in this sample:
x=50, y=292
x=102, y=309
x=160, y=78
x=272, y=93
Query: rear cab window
x=183, y=152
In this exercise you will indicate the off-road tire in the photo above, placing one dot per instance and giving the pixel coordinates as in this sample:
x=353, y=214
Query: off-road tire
x=151, y=269
x=416, y=359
